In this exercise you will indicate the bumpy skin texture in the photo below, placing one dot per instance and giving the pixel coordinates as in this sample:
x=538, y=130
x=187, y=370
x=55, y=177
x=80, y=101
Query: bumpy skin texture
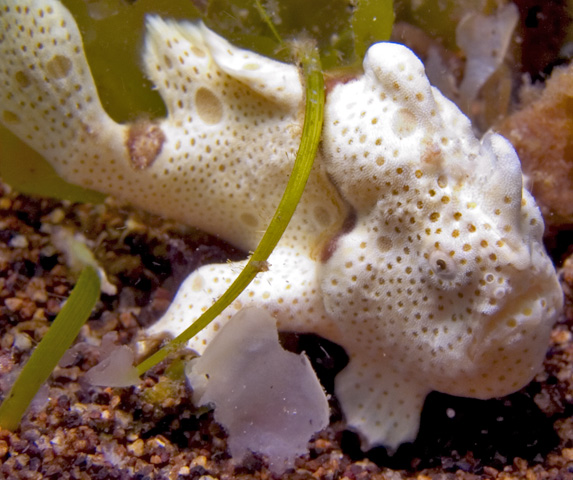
x=219, y=160
x=444, y=274
x=442, y=282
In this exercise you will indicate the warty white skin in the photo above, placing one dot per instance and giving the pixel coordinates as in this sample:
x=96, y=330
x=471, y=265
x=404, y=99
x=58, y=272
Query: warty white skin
x=442, y=283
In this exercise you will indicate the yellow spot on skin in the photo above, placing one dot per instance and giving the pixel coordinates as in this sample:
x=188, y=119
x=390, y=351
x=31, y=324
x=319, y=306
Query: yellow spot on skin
x=251, y=66
x=198, y=283
x=22, y=79
x=198, y=52
x=209, y=107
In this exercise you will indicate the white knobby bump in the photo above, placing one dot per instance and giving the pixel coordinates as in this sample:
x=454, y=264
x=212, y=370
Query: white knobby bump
x=415, y=245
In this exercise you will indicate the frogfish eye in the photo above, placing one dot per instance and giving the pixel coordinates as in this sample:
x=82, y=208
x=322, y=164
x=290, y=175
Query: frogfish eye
x=442, y=265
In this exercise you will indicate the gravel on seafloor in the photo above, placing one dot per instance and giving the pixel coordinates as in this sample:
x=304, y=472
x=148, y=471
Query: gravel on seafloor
x=152, y=431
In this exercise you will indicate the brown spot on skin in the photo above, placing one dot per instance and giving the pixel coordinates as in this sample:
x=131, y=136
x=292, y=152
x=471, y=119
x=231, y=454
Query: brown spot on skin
x=10, y=117
x=249, y=220
x=209, y=107
x=332, y=243
x=431, y=153
x=22, y=79
x=322, y=216
x=333, y=79
x=58, y=67
x=144, y=143
x=384, y=243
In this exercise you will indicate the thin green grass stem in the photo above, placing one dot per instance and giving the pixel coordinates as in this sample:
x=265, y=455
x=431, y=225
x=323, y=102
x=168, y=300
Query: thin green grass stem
x=265, y=16
x=45, y=357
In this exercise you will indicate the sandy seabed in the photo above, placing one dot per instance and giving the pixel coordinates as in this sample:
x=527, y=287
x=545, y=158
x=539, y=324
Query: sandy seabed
x=152, y=431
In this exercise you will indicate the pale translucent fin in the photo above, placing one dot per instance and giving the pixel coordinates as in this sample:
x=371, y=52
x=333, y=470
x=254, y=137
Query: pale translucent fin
x=49, y=98
x=269, y=400
x=383, y=406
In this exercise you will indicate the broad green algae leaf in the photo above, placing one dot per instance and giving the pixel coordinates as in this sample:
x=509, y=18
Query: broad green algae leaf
x=124, y=90
x=372, y=22
x=27, y=172
x=327, y=22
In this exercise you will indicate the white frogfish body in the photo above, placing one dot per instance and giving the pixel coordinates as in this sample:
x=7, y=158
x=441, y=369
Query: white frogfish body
x=442, y=283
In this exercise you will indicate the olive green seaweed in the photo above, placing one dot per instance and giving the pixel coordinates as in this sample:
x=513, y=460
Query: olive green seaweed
x=27, y=172
x=45, y=357
x=372, y=22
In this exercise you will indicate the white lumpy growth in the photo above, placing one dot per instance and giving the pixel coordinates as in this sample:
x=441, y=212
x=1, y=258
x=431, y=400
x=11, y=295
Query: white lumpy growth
x=443, y=281
x=441, y=284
